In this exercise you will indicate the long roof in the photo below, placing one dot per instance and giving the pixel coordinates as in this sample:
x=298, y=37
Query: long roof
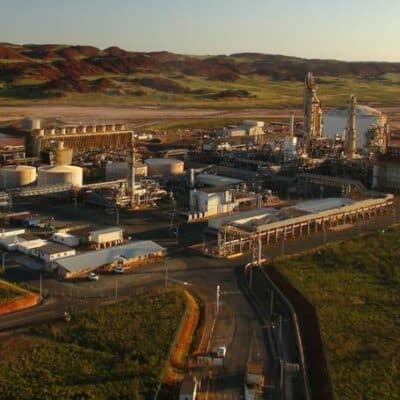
x=98, y=258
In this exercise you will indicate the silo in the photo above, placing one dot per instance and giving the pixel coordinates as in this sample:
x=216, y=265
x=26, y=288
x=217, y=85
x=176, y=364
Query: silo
x=164, y=166
x=59, y=175
x=62, y=155
x=14, y=176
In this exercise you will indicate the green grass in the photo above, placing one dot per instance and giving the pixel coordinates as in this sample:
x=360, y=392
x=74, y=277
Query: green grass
x=383, y=90
x=355, y=286
x=114, y=352
x=8, y=291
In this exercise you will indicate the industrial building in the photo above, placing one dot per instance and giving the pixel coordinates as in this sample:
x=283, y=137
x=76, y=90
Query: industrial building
x=106, y=237
x=52, y=251
x=212, y=201
x=80, y=138
x=164, y=167
x=216, y=180
x=127, y=254
x=237, y=233
x=246, y=128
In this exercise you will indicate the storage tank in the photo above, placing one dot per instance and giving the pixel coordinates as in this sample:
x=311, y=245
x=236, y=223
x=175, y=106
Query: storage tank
x=164, y=166
x=59, y=175
x=14, y=176
x=62, y=155
x=120, y=170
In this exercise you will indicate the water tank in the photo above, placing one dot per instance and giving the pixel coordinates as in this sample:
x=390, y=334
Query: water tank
x=164, y=166
x=62, y=155
x=15, y=176
x=60, y=174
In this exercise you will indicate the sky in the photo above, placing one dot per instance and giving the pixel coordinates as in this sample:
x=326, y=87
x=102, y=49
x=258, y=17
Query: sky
x=338, y=29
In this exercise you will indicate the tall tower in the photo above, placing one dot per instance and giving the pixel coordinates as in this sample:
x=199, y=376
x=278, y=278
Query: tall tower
x=132, y=169
x=312, y=111
x=351, y=132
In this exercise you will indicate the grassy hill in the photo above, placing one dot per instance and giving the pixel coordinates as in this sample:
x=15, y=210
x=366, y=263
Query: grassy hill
x=87, y=75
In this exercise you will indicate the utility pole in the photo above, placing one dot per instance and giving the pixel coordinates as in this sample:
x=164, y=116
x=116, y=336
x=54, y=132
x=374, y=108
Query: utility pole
x=3, y=262
x=41, y=284
x=271, y=305
x=117, y=215
x=218, y=295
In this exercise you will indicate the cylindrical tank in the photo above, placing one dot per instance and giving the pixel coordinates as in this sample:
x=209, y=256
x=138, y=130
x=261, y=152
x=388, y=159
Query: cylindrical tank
x=31, y=123
x=63, y=131
x=164, y=166
x=52, y=131
x=73, y=129
x=60, y=174
x=62, y=155
x=15, y=176
x=120, y=170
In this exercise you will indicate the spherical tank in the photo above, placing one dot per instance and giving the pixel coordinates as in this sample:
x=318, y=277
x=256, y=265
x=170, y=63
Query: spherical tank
x=164, y=166
x=59, y=175
x=17, y=175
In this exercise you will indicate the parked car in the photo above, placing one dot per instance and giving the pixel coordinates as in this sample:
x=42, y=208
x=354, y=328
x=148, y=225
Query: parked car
x=221, y=351
x=93, y=277
x=119, y=270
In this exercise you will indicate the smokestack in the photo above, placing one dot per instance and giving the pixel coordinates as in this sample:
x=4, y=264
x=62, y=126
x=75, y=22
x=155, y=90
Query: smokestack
x=351, y=132
x=132, y=169
x=291, y=130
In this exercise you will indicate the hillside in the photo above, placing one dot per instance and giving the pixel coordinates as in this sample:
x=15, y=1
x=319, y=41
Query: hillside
x=86, y=74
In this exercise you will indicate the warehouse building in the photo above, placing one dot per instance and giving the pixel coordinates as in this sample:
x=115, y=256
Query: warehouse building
x=52, y=251
x=106, y=237
x=130, y=254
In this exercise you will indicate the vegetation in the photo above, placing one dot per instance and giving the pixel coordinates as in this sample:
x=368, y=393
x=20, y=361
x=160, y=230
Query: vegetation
x=8, y=291
x=113, y=352
x=355, y=286
x=85, y=75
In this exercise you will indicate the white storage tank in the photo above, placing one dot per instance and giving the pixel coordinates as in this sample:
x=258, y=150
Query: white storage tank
x=164, y=166
x=59, y=175
x=14, y=176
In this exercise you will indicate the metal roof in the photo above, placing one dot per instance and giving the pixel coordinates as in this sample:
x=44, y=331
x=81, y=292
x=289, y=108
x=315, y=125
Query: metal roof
x=98, y=258
x=107, y=230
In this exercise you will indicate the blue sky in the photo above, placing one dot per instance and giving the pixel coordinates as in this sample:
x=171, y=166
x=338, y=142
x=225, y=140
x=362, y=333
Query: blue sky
x=341, y=29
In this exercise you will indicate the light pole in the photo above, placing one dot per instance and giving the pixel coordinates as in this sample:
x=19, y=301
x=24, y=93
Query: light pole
x=3, y=262
x=218, y=295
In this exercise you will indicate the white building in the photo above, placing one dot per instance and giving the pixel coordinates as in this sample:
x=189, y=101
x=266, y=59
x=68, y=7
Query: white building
x=52, y=251
x=106, y=237
x=212, y=201
x=28, y=246
x=65, y=238
x=134, y=252
x=335, y=122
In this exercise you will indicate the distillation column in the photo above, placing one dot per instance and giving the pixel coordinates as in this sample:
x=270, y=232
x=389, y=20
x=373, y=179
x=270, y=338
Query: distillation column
x=312, y=112
x=351, y=132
